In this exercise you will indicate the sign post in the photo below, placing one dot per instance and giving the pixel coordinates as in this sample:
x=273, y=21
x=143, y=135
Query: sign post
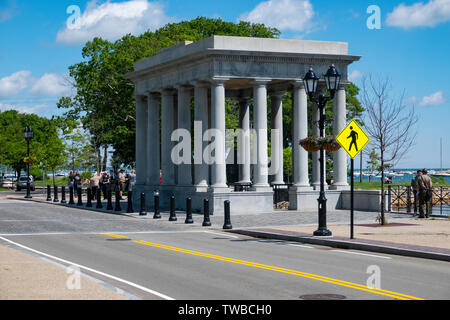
x=352, y=139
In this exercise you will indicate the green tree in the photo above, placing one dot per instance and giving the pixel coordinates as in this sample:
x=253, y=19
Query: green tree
x=104, y=102
x=46, y=147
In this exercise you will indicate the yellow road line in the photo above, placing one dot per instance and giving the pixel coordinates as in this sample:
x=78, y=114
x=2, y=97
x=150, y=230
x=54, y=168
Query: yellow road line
x=347, y=284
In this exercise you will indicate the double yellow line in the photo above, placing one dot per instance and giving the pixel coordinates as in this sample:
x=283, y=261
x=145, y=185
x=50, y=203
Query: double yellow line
x=347, y=284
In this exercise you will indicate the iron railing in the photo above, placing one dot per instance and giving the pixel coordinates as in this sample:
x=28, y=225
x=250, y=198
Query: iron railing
x=404, y=199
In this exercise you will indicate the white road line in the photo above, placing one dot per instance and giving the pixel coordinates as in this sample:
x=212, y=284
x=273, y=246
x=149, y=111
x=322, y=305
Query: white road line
x=300, y=245
x=222, y=234
x=362, y=254
x=163, y=296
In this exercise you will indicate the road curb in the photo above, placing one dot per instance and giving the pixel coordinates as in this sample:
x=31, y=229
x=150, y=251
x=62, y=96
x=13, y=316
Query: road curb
x=344, y=244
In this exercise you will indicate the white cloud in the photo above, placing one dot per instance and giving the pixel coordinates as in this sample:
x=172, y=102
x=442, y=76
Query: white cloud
x=434, y=99
x=355, y=75
x=23, y=109
x=111, y=21
x=420, y=14
x=294, y=15
x=15, y=83
x=51, y=84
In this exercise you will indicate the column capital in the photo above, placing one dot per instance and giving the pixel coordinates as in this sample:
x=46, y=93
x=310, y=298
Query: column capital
x=260, y=81
x=183, y=86
x=140, y=97
x=201, y=84
x=218, y=80
x=298, y=84
x=342, y=86
x=277, y=93
x=152, y=94
x=168, y=91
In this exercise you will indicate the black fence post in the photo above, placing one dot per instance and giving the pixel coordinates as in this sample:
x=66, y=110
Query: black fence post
x=189, y=219
x=130, y=202
x=173, y=215
x=117, y=207
x=55, y=197
x=71, y=196
x=430, y=205
x=157, y=215
x=206, y=220
x=227, y=225
x=142, y=212
x=389, y=199
x=49, y=193
x=63, y=194
x=99, y=199
x=408, y=199
x=109, y=205
x=80, y=197
x=89, y=198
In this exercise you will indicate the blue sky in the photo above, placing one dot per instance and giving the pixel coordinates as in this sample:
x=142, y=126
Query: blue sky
x=412, y=47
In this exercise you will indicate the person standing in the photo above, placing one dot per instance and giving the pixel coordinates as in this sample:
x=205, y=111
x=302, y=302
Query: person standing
x=105, y=184
x=121, y=181
x=77, y=183
x=71, y=180
x=131, y=180
x=424, y=186
x=94, y=183
x=414, y=189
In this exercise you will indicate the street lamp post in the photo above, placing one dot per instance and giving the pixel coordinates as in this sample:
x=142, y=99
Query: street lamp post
x=28, y=135
x=332, y=79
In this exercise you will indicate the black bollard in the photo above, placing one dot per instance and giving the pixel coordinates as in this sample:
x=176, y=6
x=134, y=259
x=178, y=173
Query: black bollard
x=189, y=219
x=49, y=193
x=109, y=206
x=71, y=196
x=142, y=212
x=63, y=194
x=227, y=225
x=157, y=215
x=206, y=220
x=173, y=215
x=80, y=197
x=99, y=199
x=118, y=207
x=130, y=202
x=89, y=198
x=56, y=194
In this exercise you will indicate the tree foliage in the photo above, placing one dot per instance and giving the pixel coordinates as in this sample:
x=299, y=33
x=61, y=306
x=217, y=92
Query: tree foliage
x=46, y=146
x=104, y=102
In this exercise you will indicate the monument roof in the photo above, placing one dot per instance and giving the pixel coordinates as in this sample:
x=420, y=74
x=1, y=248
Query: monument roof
x=244, y=45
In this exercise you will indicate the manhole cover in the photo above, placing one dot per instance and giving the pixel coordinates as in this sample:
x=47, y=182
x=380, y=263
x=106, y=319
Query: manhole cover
x=322, y=296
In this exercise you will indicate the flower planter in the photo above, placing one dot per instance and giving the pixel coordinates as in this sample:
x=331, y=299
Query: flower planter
x=331, y=147
x=310, y=147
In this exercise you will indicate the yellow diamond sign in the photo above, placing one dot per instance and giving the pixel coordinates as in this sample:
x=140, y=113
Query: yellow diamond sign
x=352, y=139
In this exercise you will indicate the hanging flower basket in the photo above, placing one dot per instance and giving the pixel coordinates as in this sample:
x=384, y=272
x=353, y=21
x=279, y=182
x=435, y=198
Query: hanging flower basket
x=310, y=144
x=330, y=144
x=30, y=159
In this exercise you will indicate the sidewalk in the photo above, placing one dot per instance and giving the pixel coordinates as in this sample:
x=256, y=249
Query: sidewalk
x=28, y=277
x=421, y=238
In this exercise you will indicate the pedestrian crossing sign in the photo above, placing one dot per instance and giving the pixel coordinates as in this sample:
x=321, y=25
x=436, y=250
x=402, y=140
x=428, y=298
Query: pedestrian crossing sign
x=353, y=139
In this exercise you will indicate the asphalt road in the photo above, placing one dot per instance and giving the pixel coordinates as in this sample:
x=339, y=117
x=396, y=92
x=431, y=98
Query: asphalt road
x=159, y=260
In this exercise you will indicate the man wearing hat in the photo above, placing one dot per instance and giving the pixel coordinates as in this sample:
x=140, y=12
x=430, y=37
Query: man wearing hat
x=424, y=187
